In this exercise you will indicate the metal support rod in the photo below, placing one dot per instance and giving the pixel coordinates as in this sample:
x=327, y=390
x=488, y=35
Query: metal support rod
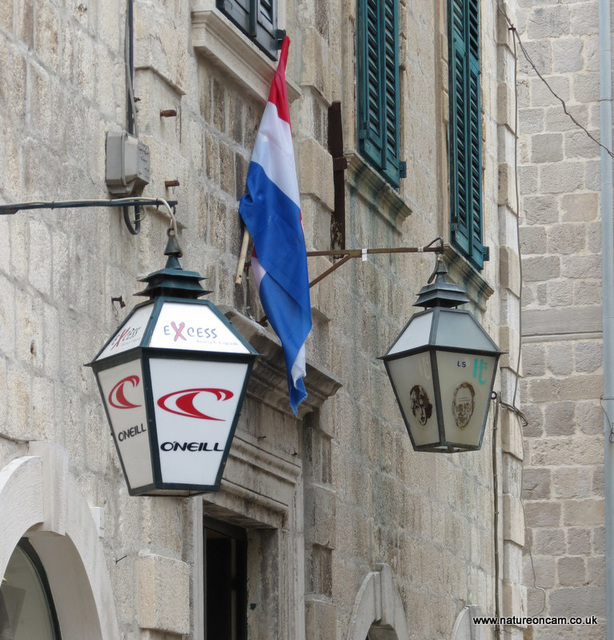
x=358, y=253
x=348, y=254
x=340, y=164
x=10, y=209
x=329, y=271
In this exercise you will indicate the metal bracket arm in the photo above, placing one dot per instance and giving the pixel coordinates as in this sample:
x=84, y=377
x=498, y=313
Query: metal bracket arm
x=436, y=246
x=347, y=254
x=10, y=209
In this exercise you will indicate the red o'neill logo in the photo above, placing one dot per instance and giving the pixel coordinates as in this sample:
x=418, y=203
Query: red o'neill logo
x=182, y=402
x=117, y=397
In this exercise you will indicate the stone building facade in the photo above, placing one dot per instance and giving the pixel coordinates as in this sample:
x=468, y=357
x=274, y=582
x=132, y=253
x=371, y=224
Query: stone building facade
x=342, y=530
x=563, y=480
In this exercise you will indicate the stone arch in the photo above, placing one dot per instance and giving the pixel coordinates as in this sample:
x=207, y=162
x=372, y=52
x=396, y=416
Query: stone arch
x=41, y=500
x=465, y=629
x=378, y=609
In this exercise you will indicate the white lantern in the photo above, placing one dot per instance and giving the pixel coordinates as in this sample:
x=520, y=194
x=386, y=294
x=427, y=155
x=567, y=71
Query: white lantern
x=442, y=368
x=173, y=378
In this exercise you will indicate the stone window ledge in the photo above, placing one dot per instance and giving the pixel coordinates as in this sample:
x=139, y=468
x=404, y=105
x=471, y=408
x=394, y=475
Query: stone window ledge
x=477, y=288
x=218, y=40
x=383, y=198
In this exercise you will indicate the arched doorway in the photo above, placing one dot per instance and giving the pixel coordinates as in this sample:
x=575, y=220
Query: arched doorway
x=378, y=612
x=41, y=502
x=27, y=609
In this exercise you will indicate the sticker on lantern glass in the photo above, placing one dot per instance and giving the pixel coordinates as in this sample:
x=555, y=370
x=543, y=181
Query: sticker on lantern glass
x=129, y=334
x=194, y=327
x=413, y=381
x=466, y=384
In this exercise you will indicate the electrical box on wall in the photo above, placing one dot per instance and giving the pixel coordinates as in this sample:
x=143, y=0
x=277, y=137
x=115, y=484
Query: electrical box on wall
x=127, y=164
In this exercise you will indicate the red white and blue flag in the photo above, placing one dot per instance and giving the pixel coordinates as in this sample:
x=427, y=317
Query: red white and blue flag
x=271, y=211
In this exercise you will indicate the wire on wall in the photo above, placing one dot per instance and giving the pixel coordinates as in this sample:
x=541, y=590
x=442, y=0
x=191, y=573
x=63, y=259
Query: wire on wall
x=131, y=111
x=533, y=66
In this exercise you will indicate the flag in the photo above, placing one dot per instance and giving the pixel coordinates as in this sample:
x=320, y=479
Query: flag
x=271, y=212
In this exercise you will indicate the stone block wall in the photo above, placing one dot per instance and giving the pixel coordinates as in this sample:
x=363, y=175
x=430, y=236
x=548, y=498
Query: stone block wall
x=562, y=348
x=327, y=498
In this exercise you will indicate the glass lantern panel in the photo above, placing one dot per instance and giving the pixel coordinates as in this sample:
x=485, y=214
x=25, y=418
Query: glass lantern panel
x=412, y=379
x=466, y=383
x=195, y=404
x=459, y=329
x=124, y=398
x=194, y=327
x=416, y=334
x=129, y=334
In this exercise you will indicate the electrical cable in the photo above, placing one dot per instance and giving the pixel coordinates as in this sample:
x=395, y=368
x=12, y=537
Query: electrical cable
x=495, y=476
x=5, y=436
x=129, y=62
x=528, y=58
x=133, y=129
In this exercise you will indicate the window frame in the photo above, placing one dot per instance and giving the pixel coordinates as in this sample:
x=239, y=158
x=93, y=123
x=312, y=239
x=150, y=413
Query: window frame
x=378, y=88
x=256, y=19
x=465, y=131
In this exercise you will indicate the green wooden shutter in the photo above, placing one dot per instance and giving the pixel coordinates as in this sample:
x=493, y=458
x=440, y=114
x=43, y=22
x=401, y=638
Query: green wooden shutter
x=257, y=19
x=465, y=130
x=378, y=87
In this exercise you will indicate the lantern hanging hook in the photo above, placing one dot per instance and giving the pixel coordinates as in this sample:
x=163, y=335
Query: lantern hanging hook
x=173, y=247
x=440, y=267
x=438, y=270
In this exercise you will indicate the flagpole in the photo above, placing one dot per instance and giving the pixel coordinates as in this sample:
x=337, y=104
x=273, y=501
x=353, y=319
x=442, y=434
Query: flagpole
x=242, y=257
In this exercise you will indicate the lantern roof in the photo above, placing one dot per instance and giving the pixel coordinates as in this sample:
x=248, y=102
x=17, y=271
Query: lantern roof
x=173, y=280
x=174, y=318
x=441, y=325
x=444, y=329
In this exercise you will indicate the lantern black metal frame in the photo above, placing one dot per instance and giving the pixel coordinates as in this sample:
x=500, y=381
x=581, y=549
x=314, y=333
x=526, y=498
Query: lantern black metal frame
x=145, y=354
x=439, y=299
x=171, y=285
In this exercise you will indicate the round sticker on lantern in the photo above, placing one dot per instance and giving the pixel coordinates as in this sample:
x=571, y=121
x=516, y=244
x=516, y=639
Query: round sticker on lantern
x=421, y=406
x=463, y=403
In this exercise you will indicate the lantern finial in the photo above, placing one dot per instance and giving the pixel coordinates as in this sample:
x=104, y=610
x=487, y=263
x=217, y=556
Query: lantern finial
x=440, y=293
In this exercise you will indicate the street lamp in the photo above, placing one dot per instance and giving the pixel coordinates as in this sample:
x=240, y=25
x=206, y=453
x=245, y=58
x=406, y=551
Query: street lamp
x=173, y=378
x=442, y=368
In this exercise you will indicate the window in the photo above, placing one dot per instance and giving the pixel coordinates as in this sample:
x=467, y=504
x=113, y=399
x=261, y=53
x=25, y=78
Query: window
x=225, y=581
x=257, y=19
x=26, y=606
x=465, y=130
x=378, y=88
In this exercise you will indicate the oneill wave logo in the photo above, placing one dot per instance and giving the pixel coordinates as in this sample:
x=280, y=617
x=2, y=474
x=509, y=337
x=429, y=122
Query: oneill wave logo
x=181, y=403
x=117, y=397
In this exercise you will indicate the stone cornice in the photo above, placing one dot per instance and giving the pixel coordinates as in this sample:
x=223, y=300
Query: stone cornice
x=384, y=200
x=268, y=383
